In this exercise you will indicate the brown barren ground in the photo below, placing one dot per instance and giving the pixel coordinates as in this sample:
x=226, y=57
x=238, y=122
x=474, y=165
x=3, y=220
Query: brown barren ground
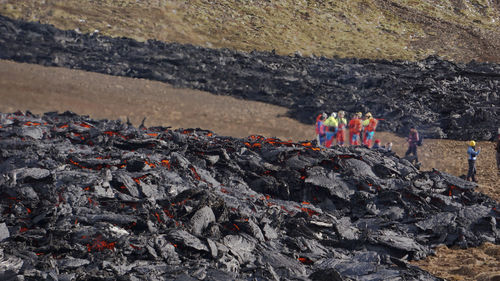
x=41, y=89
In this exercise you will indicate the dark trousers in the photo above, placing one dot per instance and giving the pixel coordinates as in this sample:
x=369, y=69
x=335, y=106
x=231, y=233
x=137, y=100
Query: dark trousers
x=472, y=170
x=412, y=149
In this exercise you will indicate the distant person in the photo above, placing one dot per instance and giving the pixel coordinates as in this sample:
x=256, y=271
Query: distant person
x=369, y=126
x=320, y=128
x=355, y=127
x=498, y=152
x=472, y=156
x=412, y=141
x=342, y=124
x=387, y=149
x=331, y=129
x=376, y=145
x=388, y=146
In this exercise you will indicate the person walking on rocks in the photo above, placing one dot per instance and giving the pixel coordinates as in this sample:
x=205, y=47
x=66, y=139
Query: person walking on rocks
x=342, y=124
x=369, y=125
x=331, y=129
x=320, y=128
x=472, y=156
x=355, y=127
x=412, y=141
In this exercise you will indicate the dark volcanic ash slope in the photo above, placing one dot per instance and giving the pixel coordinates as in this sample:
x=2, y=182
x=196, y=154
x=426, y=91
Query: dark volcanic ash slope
x=444, y=99
x=84, y=199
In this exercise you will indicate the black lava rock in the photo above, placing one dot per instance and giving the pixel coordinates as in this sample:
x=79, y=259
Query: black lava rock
x=264, y=209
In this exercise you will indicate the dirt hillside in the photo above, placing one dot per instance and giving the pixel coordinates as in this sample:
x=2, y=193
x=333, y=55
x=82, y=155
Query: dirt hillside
x=42, y=89
x=398, y=29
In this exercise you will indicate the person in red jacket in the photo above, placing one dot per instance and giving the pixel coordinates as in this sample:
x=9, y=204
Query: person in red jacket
x=355, y=127
x=331, y=125
x=342, y=124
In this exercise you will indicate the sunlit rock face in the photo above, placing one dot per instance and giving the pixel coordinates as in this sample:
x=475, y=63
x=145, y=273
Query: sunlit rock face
x=98, y=199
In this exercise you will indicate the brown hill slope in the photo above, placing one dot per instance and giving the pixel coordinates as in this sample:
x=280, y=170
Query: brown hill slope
x=397, y=29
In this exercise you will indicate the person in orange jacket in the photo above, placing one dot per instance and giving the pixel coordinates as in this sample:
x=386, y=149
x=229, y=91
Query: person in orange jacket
x=369, y=125
x=342, y=124
x=355, y=127
x=331, y=125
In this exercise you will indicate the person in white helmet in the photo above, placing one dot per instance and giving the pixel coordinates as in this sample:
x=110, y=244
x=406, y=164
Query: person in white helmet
x=472, y=156
x=341, y=126
x=331, y=129
x=369, y=126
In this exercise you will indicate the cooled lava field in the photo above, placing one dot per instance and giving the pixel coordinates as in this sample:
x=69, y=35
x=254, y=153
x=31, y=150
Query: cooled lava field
x=85, y=199
x=443, y=99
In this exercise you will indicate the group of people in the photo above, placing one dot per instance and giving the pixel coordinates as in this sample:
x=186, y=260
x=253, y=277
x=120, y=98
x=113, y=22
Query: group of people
x=333, y=128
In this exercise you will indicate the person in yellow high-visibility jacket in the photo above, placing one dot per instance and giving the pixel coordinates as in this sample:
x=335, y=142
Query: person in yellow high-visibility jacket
x=331, y=129
x=369, y=125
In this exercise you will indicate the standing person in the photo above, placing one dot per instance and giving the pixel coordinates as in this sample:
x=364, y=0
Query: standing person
x=472, y=156
x=342, y=124
x=369, y=125
x=320, y=128
x=498, y=152
x=331, y=129
x=355, y=127
x=388, y=146
x=412, y=141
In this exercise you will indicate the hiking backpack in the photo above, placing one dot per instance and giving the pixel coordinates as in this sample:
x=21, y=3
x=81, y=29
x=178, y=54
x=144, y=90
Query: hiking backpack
x=420, y=140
